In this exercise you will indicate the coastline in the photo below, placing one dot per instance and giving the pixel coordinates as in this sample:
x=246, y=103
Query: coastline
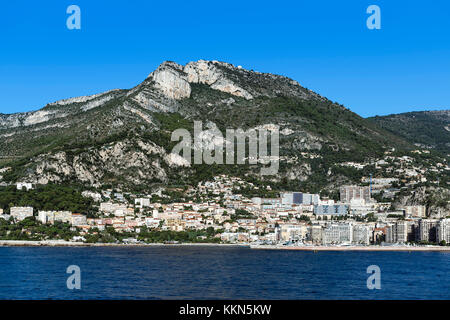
x=59, y=243
x=354, y=248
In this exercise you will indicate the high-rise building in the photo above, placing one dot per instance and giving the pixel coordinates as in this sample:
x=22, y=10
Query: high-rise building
x=316, y=234
x=397, y=232
x=443, y=230
x=427, y=230
x=412, y=231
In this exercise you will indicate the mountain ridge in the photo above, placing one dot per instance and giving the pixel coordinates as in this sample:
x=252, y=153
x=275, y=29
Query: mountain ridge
x=121, y=137
x=428, y=129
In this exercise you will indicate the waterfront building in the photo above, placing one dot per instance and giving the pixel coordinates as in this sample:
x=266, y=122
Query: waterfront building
x=427, y=230
x=338, y=233
x=443, y=230
x=316, y=234
x=397, y=232
x=293, y=232
x=361, y=234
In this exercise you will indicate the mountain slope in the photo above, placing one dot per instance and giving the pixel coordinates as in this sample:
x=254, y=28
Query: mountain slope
x=430, y=129
x=122, y=137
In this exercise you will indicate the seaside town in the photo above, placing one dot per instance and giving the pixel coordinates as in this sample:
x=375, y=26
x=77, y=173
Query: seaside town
x=222, y=213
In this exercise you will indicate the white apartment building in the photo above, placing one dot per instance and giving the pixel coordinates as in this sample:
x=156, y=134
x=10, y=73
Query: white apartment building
x=142, y=202
x=361, y=234
x=415, y=211
x=109, y=207
x=397, y=232
x=26, y=185
x=361, y=207
x=427, y=230
x=293, y=232
x=20, y=213
x=52, y=216
x=443, y=230
x=337, y=233
x=347, y=193
x=78, y=219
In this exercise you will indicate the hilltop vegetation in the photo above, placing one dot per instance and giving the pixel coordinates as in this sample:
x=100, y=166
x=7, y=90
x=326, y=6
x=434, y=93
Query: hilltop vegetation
x=47, y=197
x=430, y=129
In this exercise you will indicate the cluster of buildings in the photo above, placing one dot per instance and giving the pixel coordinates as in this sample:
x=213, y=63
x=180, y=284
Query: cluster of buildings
x=291, y=218
x=21, y=213
x=425, y=230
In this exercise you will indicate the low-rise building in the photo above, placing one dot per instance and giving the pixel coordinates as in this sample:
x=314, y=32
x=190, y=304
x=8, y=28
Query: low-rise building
x=52, y=216
x=415, y=211
x=78, y=219
x=24, y=185
x=20, y=213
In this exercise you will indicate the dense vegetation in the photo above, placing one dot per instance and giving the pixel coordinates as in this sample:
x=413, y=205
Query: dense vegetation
x=430, y=128
x=49, y=197
x=31, y=229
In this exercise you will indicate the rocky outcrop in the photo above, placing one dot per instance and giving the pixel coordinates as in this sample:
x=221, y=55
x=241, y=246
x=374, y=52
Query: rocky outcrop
x=170, y=79
x=207, y=72
x=126, y=162
x=56, y=110
x=173, y=80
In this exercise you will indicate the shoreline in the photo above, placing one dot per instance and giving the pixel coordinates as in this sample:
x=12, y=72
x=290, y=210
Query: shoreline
x=354, y=248
x=58, y=243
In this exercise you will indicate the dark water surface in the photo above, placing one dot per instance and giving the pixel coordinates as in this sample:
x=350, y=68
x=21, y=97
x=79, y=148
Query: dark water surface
x=219, y=273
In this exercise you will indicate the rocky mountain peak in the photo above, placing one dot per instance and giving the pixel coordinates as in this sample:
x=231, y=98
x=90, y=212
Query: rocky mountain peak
x=170, y=79
x=173, y=79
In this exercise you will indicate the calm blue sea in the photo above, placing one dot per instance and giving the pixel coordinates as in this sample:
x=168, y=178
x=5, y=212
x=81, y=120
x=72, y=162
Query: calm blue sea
x=219, y=273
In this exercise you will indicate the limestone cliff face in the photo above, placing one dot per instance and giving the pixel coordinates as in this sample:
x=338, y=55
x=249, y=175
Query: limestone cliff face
x=173, y=79
x=142, y=161
x=58, y=109
x=207, y=72
x=170, y=79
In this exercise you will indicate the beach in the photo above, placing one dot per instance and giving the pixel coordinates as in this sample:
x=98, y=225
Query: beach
x=62, y=243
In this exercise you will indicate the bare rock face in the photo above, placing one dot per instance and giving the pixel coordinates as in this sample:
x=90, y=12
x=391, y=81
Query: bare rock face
x=141, y=161
x=207, y=72
x=173, y=79
x=170, y=79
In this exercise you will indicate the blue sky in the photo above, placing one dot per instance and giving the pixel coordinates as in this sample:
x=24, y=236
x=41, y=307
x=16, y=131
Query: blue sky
x=324, y=45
